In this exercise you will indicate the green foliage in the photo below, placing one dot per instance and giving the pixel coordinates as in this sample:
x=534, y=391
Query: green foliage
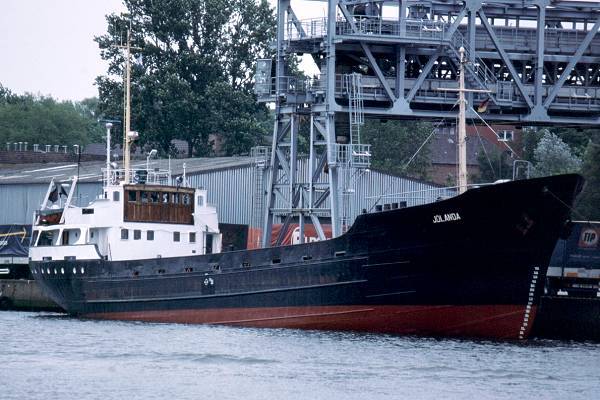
x=43, y=120
x=496, y=165
x=576, y=138
x=552, y=156
x=589, y=201
x=393, y=143
x=196, y=70
x=531, y=138
x=232, y=116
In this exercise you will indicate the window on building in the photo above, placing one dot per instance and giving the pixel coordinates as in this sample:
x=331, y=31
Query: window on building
x=150, y=235
x=116, y=196
x=505, y=136
x=176, y=236
x=192, y=237
x=124, y=234
x=137, y=234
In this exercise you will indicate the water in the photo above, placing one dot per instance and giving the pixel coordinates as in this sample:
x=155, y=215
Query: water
x=49, y=356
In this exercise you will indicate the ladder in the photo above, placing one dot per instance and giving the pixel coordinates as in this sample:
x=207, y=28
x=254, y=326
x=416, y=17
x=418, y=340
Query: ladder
x=260, y=155
x=355, y=106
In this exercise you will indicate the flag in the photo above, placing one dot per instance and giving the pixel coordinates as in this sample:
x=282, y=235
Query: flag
x=482, y=107
x=58, y=190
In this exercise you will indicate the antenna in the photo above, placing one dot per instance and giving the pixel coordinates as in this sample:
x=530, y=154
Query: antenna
x=462, y=130
x=127, y=134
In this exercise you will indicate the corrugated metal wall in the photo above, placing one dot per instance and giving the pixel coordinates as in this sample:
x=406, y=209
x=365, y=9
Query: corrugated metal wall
x=232, y=191
x=19, y=201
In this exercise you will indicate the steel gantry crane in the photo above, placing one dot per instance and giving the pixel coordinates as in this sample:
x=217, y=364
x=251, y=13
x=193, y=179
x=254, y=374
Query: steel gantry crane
x=533, y=62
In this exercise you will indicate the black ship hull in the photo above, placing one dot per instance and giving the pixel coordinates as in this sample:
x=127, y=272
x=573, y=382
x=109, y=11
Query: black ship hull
x=470, y=266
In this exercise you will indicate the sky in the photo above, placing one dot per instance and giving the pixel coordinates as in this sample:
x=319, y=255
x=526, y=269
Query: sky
x=47, y=46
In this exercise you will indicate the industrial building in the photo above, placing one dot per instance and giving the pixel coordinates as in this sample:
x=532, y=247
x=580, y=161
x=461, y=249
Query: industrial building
x=234, y=184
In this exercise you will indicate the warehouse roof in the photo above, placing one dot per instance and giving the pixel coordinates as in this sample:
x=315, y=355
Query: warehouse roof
x=91, y=171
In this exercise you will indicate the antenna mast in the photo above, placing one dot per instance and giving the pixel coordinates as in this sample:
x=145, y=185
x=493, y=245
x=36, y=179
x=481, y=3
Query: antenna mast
x=126, y=155
x=128, y=135
x=462, y=128
x=462, y=125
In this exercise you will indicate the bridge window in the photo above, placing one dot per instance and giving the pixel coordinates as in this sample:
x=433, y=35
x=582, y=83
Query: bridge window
x=186, y=199
x=116, y=196
x=131, y=196
x=176, y=236
x=70, y=236
x=192, y=237
x=154, y=197
x=150, y=235
x=47, y=238
x=209, y=244
x=200, y=201
x=165, y=198
x=124, y=234
x=144, y=197
x=137, y=234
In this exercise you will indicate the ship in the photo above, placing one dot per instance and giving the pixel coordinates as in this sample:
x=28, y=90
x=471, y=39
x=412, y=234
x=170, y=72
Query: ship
x=149, y=249
x=473, y=265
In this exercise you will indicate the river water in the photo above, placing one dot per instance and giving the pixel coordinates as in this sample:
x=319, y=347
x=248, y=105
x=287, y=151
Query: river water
x=50, y=356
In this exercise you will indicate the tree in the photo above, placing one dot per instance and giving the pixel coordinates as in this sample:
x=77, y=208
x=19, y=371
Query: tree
x=190, y=49
x=589, y=202
x=531, y=138
x=493, y=166
x=552, y=156
x=576, y=138
x=393, y=144
x=43, y=120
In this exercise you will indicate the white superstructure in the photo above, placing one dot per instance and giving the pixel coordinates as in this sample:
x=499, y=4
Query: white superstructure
x=129, y=221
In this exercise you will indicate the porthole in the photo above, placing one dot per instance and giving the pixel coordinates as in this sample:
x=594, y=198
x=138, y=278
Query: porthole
x=42, y=271
x=48, y=271
x=34, y=271
x=62, y=271
x=82, y=270
x=74, y=270
x=55, y=271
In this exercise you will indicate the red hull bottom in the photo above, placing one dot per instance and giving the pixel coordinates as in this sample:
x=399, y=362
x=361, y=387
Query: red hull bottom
x=487, y=321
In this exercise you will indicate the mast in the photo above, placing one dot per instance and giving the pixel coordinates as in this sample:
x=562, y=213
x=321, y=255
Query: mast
x=108, y=127
x=462, y=125
x=462, y=128
x=128, y=135
x=126, y=141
